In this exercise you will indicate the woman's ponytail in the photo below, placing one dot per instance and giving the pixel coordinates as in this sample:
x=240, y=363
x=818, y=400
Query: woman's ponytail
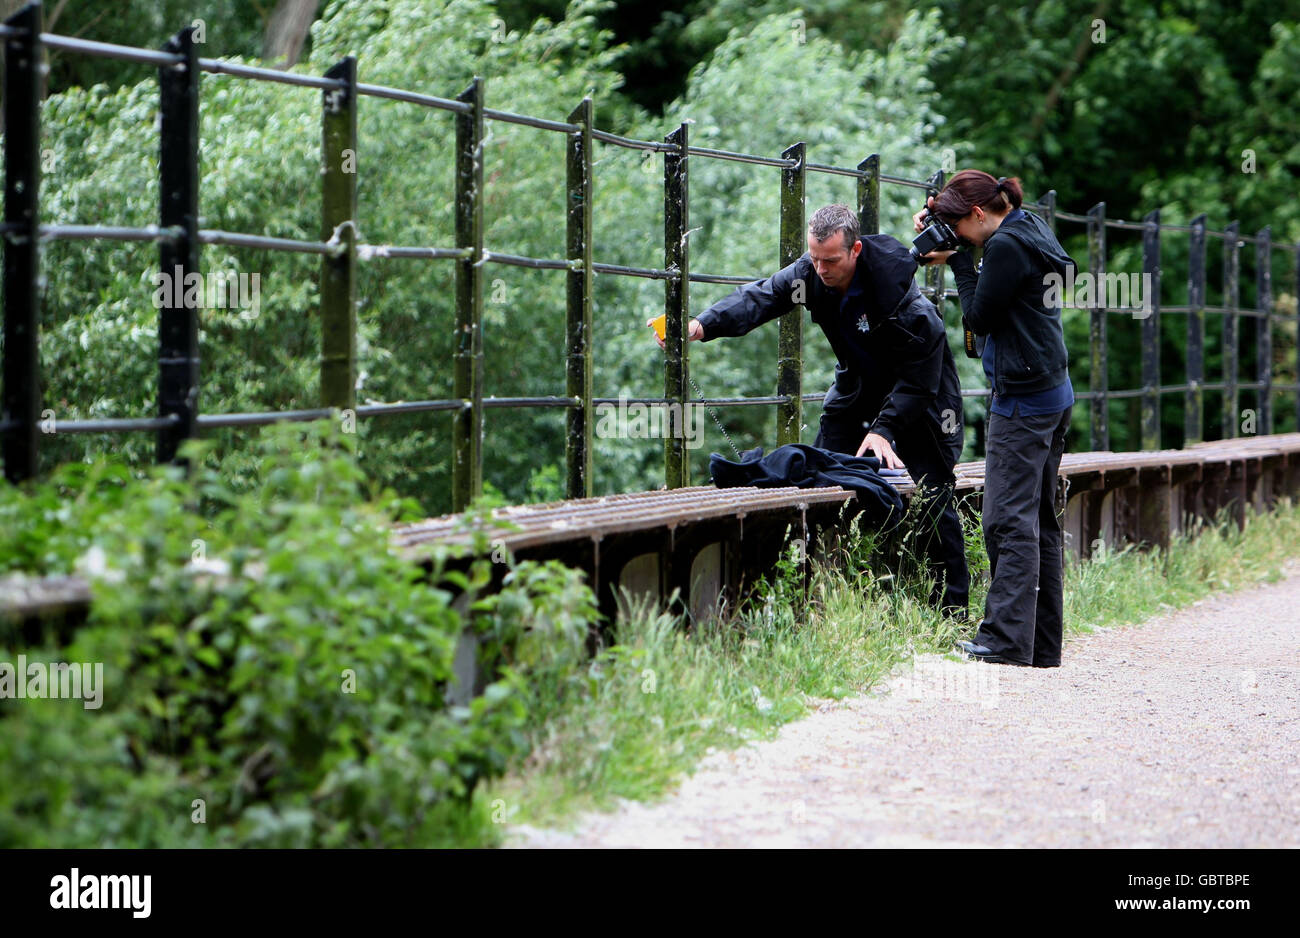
x=1010, y=187
x=972, y=187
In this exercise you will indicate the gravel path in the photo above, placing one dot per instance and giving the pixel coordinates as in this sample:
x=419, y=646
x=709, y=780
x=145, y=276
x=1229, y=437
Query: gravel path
x=1181, y=732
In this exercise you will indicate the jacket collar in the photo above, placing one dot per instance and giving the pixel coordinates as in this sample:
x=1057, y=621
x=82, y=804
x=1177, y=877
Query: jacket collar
x=884, y=279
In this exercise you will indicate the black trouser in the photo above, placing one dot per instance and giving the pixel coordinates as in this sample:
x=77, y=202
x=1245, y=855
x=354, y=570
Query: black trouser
x=1023, y=614
x=929, y=462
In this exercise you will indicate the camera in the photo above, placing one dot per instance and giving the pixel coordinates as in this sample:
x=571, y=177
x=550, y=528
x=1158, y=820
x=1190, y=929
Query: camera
x=936, y=236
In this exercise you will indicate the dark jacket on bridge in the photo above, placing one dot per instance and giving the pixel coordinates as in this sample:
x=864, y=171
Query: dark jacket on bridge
x=806, y=467
x=894, y=365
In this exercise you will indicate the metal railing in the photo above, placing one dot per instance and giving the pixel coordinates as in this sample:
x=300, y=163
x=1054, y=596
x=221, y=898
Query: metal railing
x=179, y=239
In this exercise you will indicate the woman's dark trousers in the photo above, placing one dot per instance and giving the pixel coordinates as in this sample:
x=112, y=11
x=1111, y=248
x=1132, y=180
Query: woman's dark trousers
x=1023, y=613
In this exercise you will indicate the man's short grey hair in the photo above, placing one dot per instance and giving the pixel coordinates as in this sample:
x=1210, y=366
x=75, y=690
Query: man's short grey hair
x=832, y=218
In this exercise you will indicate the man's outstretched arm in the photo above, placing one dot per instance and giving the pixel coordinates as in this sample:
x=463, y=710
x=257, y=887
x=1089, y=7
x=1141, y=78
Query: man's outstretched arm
x=752, y=304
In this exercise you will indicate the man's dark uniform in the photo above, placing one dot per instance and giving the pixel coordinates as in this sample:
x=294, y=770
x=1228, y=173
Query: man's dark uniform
x=895, y=376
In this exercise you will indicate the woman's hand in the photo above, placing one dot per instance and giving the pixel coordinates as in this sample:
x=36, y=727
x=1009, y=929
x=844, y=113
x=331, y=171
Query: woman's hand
x=918, y=220
x=938, y=257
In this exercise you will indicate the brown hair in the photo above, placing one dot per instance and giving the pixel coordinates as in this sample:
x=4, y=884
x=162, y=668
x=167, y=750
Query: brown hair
x=972, y=187
x=832, y=218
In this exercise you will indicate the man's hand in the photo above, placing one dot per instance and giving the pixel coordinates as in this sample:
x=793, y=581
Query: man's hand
x=694, y=331
x=881, y=448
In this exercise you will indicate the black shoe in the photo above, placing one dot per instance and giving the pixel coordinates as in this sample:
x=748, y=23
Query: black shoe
x=986, y=654
x=1047, y=664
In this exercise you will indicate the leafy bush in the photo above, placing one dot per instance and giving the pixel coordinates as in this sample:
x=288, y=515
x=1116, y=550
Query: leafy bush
x=270, y=654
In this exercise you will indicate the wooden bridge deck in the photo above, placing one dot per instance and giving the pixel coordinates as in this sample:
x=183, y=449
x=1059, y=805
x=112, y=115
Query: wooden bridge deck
x=526, y=526
x=707, y=542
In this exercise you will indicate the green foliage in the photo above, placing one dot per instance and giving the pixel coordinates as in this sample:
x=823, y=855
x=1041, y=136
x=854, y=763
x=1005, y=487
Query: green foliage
x=259, y=173
x=1158, y=113
x=663, y=44
x=270, y=653
x=45, y=528
x=230, y=27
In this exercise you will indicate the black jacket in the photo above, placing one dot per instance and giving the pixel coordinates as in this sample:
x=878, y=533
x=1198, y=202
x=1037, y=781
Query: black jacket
x=805, y=467
x=1005, y=301
x=895, y=367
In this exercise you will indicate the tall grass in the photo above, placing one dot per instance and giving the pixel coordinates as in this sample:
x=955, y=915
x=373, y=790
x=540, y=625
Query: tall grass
x=663, y=695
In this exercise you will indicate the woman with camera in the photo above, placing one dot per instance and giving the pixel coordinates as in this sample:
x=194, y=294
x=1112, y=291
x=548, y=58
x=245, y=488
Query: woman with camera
x=1024, y=357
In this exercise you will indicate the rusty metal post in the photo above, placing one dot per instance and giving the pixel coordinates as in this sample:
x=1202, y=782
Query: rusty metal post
x=677, y=304
x=178, y=195
x=1231, y=321
x=1264, y=333
x=1194, y=416
x=467, y=426
x=22, y=260
x=338, y=274
x=1099, y=379
x=789, y=364
x=578, y=338
x=1151, y=333
x=869, y=194
x=934, y=272
x=1049, y=209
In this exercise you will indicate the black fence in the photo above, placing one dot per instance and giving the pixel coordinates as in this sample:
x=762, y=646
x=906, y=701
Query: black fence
x=180, y=239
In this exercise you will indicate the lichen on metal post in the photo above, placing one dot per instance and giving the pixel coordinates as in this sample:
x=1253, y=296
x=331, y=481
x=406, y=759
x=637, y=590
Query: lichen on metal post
x=578, y=338
x=338, y=291
x=677, y=291
x=467, y=424
x=789, y=364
